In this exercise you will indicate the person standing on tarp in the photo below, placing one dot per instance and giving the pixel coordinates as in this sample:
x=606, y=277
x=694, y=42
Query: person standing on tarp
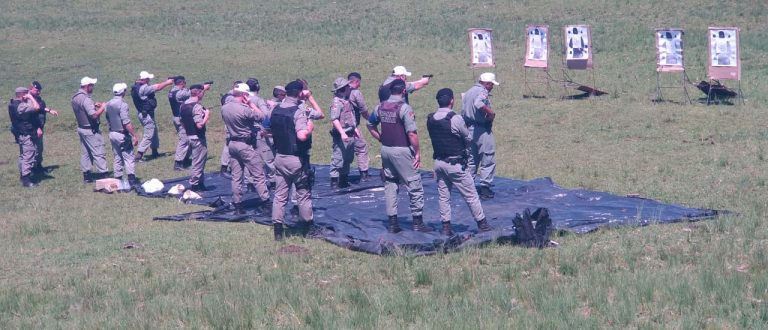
x=479, y=116
x=176, y=97
x=400, y=155
x=121, y=135
x=224, y=158
x=291, y=127
x=23, y=111
x=194, y=118
x=35, y=89
x=278, y=94
x=361, y=110
x=450, y=141
x=240, y=116
x=400, y=73
x=143, y=95
x=261, y=144
x=92, y=152
x=344, y=133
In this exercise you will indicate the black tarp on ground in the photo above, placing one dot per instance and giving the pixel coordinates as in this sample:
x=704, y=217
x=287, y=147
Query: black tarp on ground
x=355, y=218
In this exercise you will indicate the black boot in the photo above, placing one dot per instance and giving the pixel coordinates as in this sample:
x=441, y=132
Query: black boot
x=178, y=165
x=266, y=207
x=484, y=226
x=133, y=181
x=225, y=172
x=87, y=177
x=155, y=154
x=334, y=183
x=394, y=226
x=418, y=224
x=250, y=187
x=238, y=208
x=447, y=230
x=278, y=230
x=485, y=193
x=139, y=157
x=26, y=181
x=364, y=177
x=343, y=181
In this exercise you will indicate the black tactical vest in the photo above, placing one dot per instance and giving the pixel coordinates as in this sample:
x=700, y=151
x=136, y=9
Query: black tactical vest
x=444, y=143
x=188, y=120
x=143, y=106
x=284, y=132
x=41, y=118
x=24, y=123
x=175, y=104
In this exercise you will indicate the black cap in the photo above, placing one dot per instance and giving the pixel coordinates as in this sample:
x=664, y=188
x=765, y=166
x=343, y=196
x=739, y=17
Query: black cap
x=253, y=83
x=397, y=86
x=354, y=74
x=444, y=93
x=37, y=85
x=178, y=79
x=197, y=86
x=294, y=86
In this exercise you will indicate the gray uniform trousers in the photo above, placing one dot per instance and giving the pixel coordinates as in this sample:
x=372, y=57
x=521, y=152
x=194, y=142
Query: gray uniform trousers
x=244, y=158
x=149, y=138
x=289, y=171
x=122, y=149
x=361, y=153
x=266, y=150
x=199, y=148
x=449, y=176
x=482, y=161
x=92, y=150
x=342, y=156
x=225, y=153
x=398, y=168
x=27, y=153
x=182, y=145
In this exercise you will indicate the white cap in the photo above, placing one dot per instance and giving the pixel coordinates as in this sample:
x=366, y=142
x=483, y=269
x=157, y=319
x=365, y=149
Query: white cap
x=240, y=89
x=400, y=70
x=145, y=75
x=489, y=77
x=87, y=81
x=119, y=88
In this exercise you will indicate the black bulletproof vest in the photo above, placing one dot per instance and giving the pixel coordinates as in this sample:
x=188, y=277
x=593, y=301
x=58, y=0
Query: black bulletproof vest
x=284, y=132
x=444, y=143
x=143, y=106
x=175, y=104
x=224, y=97
x=25, y=123
x=188, y=120
x=41, y=118
x=385, y=93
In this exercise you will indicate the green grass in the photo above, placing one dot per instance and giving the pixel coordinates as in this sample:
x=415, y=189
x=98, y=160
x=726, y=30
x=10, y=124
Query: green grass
x=63, y=265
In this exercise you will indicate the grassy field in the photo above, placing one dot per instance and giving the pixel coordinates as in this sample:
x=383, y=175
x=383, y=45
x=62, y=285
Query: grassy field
x=63, y=264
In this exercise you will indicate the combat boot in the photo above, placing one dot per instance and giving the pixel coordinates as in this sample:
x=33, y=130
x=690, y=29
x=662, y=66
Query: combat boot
x=334, y=183
x=418, y=224
x=394, y=226
x=343, y=181
x=87, y=177
x=238, y=208
x=155, y=154
x=26, y=181
x=486, y=193
x=278, y=231
x=178, y=165
x=139, y=157
x=484, y=226
x=225, y=172
x=364, y=177
x=133, y=181
x=266, y=207
x=447, y=230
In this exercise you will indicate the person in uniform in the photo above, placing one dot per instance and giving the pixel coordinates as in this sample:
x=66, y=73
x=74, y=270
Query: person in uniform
x=361, y=110
x=450, y=140
x=92, y=152
x=291, y=127
x=240, y=116
x=400, y=155
x=176, y=97
x=344, y=133
x=23, y=111
x=194, y=117
x=143, y=95
x=278, y=94
x=262, y=144
x=400, y=73
x=224, y=158
x=478, y=115
x=122, y=135
x=35, y=89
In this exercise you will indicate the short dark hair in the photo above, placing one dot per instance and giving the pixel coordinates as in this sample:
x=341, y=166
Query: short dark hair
x=397, y=87
x=444, y=97
x=354, y=74
x=253, y=84
x=37, y=85
x=276, y=92
x=293, y=88
x=178, y=80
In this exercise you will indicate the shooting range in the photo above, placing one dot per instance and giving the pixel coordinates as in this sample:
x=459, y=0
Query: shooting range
x=578, y=56
x=536, y=61
x=724, y=63
x=481, y=48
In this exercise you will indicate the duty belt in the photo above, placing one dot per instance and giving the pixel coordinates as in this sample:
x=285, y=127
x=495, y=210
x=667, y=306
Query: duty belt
x=454, y=160
x=240, y=139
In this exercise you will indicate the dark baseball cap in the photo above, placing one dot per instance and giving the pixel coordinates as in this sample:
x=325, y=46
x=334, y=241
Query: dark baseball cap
x=178, y=79
x=36, y=84
x=197, y=86
x=354, y=74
